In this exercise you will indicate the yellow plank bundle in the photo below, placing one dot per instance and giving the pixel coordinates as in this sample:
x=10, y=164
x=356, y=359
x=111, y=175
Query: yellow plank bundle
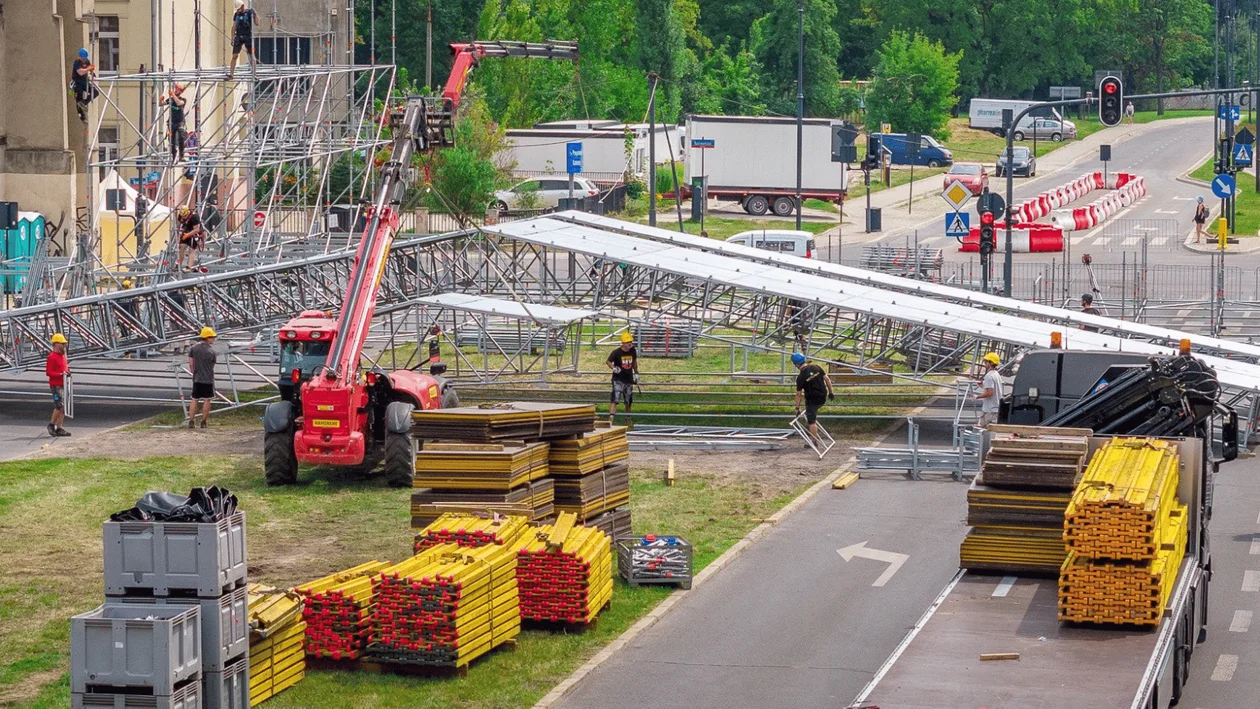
x=591, y=452
x=1023, y=550
x=277, y=658
x=1123, y=499
x=1123, y=592
x=474, y=466
x=565, y=572
x=471, y=530
x=535, y=500
x=446, y=606
x=338, y=611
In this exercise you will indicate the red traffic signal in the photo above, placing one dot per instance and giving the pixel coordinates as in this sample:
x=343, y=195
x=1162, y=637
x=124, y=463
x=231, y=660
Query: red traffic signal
x=1109, y=87
x=986, y=218
x=1111, y=101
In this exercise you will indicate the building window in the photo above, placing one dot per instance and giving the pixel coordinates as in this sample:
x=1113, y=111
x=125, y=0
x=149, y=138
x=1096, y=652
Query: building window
x=107, y=149
x=107, y=44
x=283, y=50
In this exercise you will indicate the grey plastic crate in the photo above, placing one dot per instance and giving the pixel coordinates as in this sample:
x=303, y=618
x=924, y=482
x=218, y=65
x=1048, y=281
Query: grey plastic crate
x=144, y=646
x=224, y=624
x=667, y=559
x=228, y=689
x=161, y=558
x=187, y=697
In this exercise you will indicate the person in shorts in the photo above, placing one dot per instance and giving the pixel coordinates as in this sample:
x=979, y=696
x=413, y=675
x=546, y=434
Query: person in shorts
x=57, y=369
x=179, y=132
x=1200, y=218
x=243, y=22
x=990, y=395
x=813, y=385
x=201, y=359
x=624, y=363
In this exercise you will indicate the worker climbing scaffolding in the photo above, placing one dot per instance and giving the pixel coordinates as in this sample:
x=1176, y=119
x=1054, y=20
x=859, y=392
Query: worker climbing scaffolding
x=243, y=22
x=81, y=83
x=176, y=102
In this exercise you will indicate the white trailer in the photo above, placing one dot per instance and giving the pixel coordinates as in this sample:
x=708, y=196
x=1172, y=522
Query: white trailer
x=752, y=160
x=986, y=113
x=540, y=151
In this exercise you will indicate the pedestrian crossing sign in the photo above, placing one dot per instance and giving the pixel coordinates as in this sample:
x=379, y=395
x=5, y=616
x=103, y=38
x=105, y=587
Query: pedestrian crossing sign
x=957, y=224
x=1242, y=155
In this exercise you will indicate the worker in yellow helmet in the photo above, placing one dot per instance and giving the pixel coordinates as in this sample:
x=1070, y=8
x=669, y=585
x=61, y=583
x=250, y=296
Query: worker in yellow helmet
x=57, y=369
x=201, y=359
x=990, y=395
x=624, y=363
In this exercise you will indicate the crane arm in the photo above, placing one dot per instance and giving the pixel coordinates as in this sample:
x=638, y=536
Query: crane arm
x=467, y=54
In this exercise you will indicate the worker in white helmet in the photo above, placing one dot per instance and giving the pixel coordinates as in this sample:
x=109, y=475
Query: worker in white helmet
x=243, y=22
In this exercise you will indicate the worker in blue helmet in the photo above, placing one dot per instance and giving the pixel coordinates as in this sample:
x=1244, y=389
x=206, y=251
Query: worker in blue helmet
x=814, y=387
x=81, y=83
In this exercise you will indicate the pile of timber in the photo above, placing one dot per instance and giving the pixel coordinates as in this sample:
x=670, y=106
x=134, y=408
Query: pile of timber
x=592, y=472
x=589, y=452
x=614, y=523
x=517, y=420
x=565, y=572
x=480, y=466
x=1029, y=456
x=533, y=500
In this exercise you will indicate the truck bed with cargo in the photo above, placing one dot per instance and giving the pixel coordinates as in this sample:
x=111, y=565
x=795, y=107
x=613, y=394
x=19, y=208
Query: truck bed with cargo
x=752, y=160
x=997, y=641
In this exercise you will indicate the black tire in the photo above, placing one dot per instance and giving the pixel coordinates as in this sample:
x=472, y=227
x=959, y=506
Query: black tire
x=400, y=460
x=1056, y=137
x=1019, y=135
x=934, y=163
x=280, y=464
x=784, y=206
x=757, y=205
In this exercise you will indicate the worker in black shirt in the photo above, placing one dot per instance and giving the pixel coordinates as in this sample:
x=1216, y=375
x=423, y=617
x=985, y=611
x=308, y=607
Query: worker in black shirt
x=243, y=22
x=814, y=386
x=624, y=363
x=1087, y=306
x=179, y=134
x=191, y=236
x=81, y=83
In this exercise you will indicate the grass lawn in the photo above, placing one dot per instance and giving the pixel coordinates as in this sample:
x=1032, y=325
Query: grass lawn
x=723, y=227
x=51, y=511
x=1247, y=209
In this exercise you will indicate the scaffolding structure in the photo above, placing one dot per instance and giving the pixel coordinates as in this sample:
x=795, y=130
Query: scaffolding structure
x=275, y=165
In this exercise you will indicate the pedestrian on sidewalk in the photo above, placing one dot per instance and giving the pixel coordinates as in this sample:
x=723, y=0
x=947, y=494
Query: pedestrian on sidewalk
x=179, y=134
x=990, y=395
x=81, y=83
x=1200, y=218
x=1128, y=113
x=201, y=359
x=57, y=369
x=243, y=22
x=624, y=363
x=814, y=386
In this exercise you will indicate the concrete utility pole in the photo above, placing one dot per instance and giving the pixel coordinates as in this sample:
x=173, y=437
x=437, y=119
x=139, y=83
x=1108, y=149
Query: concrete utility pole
x=652, y=151
x=800, y=106
x=428, y=49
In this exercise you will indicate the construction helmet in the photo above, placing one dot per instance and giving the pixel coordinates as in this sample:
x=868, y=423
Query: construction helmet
x=798, y=359
x=58, y=339
x=208, y=332
x=626, y=337
x=993, y=359
x=83, y=53
x=127, y=283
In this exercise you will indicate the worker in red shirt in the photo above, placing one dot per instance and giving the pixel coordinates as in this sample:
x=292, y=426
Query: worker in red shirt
x=57, y=369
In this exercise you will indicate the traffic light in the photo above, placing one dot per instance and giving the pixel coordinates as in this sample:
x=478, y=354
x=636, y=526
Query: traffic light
x=1110, y=101
x=987, y=217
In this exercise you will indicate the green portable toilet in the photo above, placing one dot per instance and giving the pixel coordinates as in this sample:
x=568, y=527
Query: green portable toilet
x=20, y=246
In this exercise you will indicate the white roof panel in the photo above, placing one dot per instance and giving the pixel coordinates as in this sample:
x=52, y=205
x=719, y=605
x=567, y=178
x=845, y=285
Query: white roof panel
x=545, y=314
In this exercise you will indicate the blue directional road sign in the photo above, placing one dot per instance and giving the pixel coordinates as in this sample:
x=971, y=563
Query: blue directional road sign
x=703, y=143
x=1229, y=112
x=958, y=224
x=1223, y=186
x=573, y=157
x=1242, y=155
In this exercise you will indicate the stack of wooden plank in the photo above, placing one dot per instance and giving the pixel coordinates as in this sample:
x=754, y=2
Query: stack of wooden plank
x=591, y=495
x=614, y=523
x=338, y=611
x=534, y=500
x=565, y=572
x=517, y=420
x=1015, y=505
x=480, y=466
x=471, y=530
x=590, y=452
x=277, y=658
x=447, y=605
x=591, y=472
x=1126, y=534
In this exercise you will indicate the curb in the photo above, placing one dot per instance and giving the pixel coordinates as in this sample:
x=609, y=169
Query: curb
x=1189, y=245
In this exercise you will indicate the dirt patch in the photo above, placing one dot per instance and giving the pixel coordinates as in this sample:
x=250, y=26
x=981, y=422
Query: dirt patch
x=28, y=687
x=134, y=444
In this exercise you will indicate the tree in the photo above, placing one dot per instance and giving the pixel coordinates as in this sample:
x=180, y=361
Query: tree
x=914, y=85
x=774, y=43
x=462, y=179
x=662, y=51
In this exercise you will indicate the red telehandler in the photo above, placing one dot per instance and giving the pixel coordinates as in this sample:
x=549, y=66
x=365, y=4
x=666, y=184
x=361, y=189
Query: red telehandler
x=332, y=412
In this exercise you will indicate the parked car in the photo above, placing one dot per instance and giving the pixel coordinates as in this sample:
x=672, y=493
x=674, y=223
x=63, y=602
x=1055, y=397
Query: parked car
x=931, y=152
x=1025, y=163
x=972, y=175
x=786, y=241
x=542, y=193
x=1045, y=128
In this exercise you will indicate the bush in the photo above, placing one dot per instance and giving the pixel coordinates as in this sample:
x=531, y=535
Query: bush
x=665, y=178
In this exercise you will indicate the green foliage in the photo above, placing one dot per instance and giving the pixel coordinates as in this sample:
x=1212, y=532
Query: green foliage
x=914, y=85
x=774, y=41
x=668, y=175
x=463, y=179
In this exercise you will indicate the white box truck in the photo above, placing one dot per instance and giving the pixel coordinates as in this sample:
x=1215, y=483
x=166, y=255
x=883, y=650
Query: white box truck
x=540, y=151
x=986, y=113
x=752, y=160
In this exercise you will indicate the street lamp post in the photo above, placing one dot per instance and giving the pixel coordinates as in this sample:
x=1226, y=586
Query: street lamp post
x=800, y=106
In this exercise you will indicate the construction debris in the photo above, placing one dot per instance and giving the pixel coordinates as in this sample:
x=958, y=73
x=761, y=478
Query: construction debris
x=517, y=420
x=533, y=500
x=338, y=611
x=277, y=632
x=565, y=572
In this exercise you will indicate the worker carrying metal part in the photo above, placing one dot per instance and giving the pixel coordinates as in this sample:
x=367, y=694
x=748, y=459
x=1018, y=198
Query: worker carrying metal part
x=201, y=359
x=243, y=22
x=81, y=83
x=624, y=363
x=990, y=396
x=179, y=133
x=814, y=386
x=57, y=369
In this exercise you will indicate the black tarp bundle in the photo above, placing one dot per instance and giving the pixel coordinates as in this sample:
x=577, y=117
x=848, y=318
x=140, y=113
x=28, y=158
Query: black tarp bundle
x=201, y=504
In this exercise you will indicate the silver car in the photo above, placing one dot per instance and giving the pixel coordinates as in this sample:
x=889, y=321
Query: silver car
x=542, y=193
x=1046, y=128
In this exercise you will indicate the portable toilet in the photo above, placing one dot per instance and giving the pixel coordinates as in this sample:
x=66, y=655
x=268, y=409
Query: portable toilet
x=19, y=249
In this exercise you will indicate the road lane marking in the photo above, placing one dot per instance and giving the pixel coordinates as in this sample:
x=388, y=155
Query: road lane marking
x=1165, y=211
x=892, y=558
x=1159, y=241
x=1225, y=667
x=1255, y=546
x=1004, y=587
x=1251, y=581
x=1241, y=622
x=1131, y=241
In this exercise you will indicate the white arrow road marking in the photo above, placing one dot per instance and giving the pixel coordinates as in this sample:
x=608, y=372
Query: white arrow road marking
x=892, y=558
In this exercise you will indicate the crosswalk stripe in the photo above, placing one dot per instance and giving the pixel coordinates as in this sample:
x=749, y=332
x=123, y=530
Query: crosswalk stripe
x=1241, y=622
x=1225, y=667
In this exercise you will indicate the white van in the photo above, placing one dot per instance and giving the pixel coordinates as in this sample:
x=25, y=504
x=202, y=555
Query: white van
x=787, y=241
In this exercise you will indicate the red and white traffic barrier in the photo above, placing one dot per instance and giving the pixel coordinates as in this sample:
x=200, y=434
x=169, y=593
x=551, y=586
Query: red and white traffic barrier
x=1025, y=239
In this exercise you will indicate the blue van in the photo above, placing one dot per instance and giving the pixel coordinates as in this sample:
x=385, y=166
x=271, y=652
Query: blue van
x=931, y=152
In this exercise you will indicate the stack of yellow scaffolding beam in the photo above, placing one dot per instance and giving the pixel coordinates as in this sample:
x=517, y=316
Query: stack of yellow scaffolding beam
x=1126, y=534
x=277, y=658
x=480, y=466
x=471, y=530
x=565, y=572
x=446, y=606
x=338, y=611
x=590, y=452
x=517, y=420
x=592, y=472
x=534, y=500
